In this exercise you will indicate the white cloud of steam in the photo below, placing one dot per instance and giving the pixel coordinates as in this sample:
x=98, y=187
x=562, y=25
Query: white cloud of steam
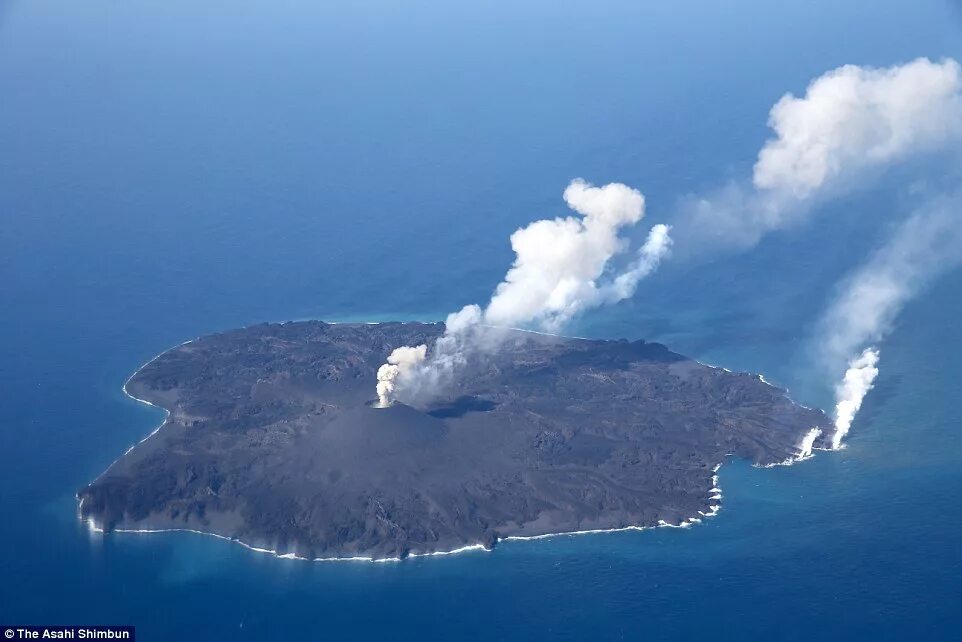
x=851, y=120
x=849, y=393
x=856, y=117
x=462, y=321
x=562, y=267
x=401, y=362
x=921, y=248
x=656, y=247
x=925, y=245
x=558, y=262
x=464, y=334
x=807, y=444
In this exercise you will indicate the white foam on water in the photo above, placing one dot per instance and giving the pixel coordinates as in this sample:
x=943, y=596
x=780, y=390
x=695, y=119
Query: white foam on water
x=713, y=510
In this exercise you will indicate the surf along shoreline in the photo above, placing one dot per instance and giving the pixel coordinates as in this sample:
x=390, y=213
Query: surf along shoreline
x=715, y=492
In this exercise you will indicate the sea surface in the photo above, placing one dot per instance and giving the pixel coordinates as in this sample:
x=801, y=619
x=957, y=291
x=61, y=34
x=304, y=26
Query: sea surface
x=170, y=169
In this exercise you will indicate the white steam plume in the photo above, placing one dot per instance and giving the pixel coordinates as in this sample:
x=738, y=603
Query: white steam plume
x=849, y=393
x=856, y=117
x=558, y=262
x=400, y=362
x=463, y=333
x=928, y=243
x=923, y=246
x=656, y=247
x=562, y=267
x=851, y=120
x=808, y=443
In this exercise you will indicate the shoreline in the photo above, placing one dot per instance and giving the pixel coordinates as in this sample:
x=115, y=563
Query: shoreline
x=715, y=492
x=143, y=401
x=714, y=509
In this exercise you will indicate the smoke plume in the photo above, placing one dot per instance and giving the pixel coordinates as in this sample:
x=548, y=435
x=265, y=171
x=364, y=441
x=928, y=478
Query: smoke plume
x=656, y=247
x=853, y=118
x=852, y=121
x=921, y=248
x=563, y=266
x=399, y=363
x=849, y=393
x=808, y=443
x=558, y=262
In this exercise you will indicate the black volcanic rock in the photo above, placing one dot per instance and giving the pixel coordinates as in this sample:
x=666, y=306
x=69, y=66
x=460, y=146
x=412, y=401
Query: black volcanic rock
x=272, y=439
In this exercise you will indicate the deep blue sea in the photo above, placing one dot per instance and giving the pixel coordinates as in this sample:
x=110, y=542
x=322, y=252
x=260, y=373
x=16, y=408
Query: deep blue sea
x=169, y=169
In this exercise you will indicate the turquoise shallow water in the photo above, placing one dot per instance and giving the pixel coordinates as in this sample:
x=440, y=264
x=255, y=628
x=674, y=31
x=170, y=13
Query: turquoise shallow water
x=168, y=170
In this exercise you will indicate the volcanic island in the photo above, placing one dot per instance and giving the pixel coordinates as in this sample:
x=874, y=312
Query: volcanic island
x=273, y=439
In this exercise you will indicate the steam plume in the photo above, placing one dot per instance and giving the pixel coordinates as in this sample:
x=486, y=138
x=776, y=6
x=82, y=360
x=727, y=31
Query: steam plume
x=855, y=117
x=851, y=121
x=650, y=255
x=400, y=362
x=562, y=267
x=808, y=443
x=925, y=245
x=558, y=262
x=858, y=380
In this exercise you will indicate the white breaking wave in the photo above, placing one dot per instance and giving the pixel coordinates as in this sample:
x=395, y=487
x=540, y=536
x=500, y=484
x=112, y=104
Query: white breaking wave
x=713, y=510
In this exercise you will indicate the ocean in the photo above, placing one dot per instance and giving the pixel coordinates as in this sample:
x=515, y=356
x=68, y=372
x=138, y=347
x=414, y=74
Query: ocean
x=170, y=169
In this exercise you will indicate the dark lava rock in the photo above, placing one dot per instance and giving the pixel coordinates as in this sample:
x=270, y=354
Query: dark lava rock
x=272, y=440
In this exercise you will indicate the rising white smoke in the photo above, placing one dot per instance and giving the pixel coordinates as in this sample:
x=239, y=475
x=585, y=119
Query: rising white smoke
x=850, y=122
x=402, y=361
x=463, y=335
x=849, y=393
x=925, y=245
x=562, y=267
x=808, y=443
x=558, y=262
x=656, y=247
x=852, y=118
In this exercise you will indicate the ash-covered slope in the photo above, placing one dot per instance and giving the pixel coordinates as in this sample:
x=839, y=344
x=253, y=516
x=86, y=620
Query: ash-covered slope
x=272, y=440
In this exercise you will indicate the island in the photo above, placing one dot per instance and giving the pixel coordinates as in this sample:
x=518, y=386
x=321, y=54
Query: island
x=273, y=439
